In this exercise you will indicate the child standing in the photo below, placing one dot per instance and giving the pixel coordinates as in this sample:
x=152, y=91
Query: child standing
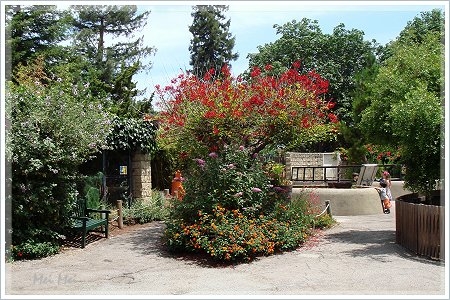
x=387, y=179
x=385, y=201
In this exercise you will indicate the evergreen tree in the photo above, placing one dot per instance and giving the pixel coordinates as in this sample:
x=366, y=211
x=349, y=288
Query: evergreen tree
x=212, y=43
x=33, y=31
x=104, y=35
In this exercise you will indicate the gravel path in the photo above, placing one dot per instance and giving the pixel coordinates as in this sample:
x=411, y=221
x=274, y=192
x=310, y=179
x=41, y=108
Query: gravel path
x=358, y=256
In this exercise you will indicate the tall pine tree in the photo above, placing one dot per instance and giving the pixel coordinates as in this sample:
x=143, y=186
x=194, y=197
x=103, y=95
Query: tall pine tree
x=104, y=35
x=33, y=31
x=212, y=43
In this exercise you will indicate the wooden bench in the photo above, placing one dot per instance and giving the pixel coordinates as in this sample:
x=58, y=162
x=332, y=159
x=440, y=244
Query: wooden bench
x=83, y=221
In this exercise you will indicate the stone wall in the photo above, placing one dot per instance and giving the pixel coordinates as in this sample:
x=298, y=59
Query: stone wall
x=297, y=159
x=141, y=177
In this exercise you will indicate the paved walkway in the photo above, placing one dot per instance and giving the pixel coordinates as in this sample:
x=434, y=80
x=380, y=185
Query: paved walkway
x=358, y=256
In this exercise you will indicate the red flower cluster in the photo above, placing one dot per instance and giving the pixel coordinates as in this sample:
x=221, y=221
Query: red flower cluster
x=253, y=111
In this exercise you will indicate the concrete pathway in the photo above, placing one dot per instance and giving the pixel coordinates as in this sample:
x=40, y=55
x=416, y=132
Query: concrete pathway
x=358, y=256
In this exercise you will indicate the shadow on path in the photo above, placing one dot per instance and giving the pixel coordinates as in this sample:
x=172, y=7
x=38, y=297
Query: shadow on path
x=74, y=241
x=150, y=241
x=375, y=243
x=354, y=243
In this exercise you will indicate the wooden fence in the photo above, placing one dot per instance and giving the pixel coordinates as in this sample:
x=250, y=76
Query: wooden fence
x=420, y=228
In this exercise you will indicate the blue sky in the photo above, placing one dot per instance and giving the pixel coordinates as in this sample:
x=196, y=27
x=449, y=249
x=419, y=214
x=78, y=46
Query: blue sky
x=252, y=25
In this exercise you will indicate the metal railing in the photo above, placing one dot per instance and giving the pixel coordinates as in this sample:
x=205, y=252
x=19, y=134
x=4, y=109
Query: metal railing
x=341, y=173
x=344, y=173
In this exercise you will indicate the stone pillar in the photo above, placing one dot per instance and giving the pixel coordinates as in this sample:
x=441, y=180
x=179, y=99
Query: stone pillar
x=288, y=163
x=141, y=176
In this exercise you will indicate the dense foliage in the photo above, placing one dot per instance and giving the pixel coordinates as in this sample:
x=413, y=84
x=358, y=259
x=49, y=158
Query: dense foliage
x=140, y=212
x=88, y=39
x=99, y=32
x=133, y=134
x=53, y=127
x=33, y=31
x=200, y=116
x=337, y=57
x=406, y=102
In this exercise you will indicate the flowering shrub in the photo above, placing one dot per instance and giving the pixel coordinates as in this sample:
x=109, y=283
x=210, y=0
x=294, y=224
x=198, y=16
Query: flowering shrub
x=200, y=116
x=382, y=154
x=53, y=126
x=231, y=212
x=217, y=128
x=232, y=235
x=232, y=178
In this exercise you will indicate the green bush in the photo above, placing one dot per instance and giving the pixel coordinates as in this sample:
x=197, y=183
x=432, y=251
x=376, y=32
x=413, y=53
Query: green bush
x=146, y=211
x=133, y=134
x=324, y=221
x=406, y=103
x=232, y=178
x=32, y=250
x=36, y=243
x=91, y=189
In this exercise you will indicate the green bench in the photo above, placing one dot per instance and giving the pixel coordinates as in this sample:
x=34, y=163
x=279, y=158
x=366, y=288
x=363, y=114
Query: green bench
x=84, y=221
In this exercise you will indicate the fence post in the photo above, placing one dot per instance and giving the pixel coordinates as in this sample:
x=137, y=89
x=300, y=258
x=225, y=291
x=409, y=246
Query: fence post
x=103, y=214
x=328, y=206
x=166, y=193
x=119, y=209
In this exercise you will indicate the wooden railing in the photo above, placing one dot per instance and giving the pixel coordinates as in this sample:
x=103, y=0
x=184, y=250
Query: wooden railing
x=420, y=228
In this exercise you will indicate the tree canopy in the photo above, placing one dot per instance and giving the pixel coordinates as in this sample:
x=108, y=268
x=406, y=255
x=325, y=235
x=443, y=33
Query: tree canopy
x=32, y=31
x=406, y=103
x=337, y=57
x=104, y=36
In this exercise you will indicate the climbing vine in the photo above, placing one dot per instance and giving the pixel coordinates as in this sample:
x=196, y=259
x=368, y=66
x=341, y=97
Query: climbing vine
x=133, y=134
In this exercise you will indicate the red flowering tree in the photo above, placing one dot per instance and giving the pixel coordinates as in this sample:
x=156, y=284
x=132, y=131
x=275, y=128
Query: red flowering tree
x=199, y=115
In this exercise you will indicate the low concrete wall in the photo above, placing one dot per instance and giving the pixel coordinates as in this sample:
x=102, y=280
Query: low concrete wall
x=347, y=202
x=353, y=201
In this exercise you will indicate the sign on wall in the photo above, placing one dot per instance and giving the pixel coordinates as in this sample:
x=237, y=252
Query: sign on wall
x=123, y=170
